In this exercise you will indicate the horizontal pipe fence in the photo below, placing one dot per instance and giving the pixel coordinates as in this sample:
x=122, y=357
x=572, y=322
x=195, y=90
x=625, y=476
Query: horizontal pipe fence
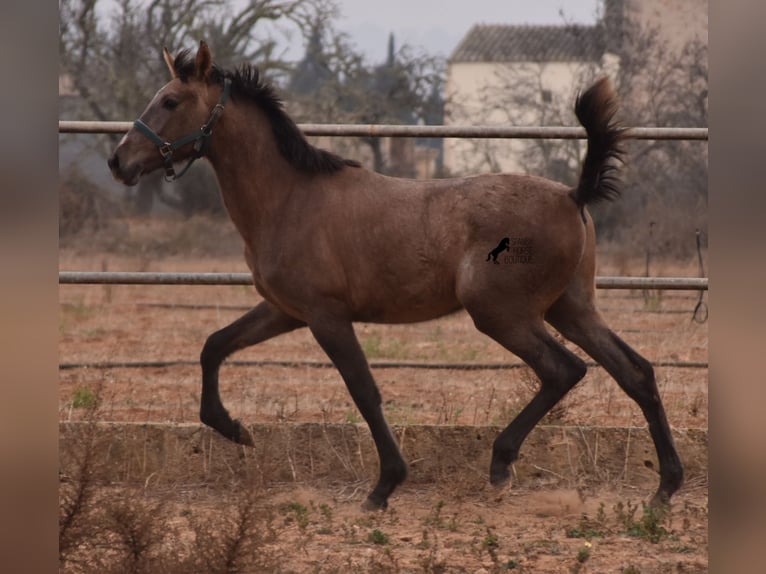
x=327, y=365
x=165, y=278
x=355, y=130
x=373, y=130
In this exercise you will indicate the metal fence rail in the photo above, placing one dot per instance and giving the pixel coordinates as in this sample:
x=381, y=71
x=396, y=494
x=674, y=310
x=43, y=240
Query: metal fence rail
x=373, y=130
x=328, y=365
x=370, y=130
x=164, y=278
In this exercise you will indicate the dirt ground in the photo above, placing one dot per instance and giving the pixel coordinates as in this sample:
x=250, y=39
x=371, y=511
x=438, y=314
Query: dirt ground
x=318, y=527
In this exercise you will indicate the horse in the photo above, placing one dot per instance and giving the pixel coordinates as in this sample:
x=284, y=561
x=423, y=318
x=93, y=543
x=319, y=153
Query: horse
x=391, y=250
x=504, y=245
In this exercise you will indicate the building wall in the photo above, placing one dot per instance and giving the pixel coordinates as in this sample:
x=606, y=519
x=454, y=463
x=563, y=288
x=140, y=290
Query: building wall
x=491, y=93
x=474, y=89
x=677, y=21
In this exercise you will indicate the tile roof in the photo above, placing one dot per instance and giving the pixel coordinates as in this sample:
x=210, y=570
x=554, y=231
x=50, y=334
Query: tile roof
x=526, y=43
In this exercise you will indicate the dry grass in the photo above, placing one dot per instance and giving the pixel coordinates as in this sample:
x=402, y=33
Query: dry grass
x=125, y=324
x=239, y=526
x=286, y=521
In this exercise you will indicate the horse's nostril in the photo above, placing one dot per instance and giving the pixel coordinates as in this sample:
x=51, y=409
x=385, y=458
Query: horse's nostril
x=113, y=162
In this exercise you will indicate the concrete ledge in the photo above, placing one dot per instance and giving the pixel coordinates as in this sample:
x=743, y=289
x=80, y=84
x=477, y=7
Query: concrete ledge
x=449, y=456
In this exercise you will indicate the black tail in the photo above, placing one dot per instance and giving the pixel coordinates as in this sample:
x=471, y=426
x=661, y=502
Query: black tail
x=595, y=109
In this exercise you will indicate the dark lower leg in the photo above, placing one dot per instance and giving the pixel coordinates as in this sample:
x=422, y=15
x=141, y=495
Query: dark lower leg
x=582, y=325
x=261, y=323
x=558, y=370
x=342, y=347
x=643, y=390
x=505, y=449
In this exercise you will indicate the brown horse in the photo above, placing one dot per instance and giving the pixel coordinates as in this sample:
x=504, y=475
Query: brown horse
x=393, y=250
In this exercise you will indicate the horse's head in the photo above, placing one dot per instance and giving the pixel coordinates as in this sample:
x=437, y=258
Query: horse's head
x=169, y=129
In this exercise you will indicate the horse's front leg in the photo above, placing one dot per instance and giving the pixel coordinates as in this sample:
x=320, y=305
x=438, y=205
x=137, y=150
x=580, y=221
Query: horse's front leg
x=263, y=322
x=339, y=341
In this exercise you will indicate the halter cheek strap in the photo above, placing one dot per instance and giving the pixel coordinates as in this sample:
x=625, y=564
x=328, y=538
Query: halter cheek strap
x=200, y=137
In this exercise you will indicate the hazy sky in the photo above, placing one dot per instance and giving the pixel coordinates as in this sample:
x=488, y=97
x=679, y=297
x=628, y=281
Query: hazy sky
x=438, y=25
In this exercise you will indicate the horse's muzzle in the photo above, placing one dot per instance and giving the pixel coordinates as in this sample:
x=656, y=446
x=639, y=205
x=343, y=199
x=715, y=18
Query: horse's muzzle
x=127, y=174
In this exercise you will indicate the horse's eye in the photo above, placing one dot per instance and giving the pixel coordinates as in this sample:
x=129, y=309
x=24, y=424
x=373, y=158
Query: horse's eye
x=169, y=104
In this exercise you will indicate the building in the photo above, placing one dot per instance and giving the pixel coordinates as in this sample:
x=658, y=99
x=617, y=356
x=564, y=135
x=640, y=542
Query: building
x=529, y=75
x=515, y=75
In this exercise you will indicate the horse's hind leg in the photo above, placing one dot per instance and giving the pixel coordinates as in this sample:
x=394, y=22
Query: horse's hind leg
x=557, y=368
x=263, y=322
x=577, y=319
x=339, y=341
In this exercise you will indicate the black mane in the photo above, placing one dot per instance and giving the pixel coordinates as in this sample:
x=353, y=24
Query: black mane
x=292, y=144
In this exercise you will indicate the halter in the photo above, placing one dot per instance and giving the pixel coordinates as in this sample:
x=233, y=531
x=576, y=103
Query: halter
x=200, y=137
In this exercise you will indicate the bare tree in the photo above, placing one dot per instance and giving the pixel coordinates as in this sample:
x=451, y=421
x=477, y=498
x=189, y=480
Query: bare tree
x=520, y=94
x=115, y=63
x=665, y=182
x=334, y=83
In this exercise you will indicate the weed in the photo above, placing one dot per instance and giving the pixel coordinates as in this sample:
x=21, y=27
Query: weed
x=78, y=310
x=601, y=514
x=84, y=398
x=583, y=553
x=371, y=345
x=630, y=569
x=374, y=347
x=137, y=533
x=432, y=564
x=625, y=514
x=652, y=300
x=649, y=527
x=698, y=405
x=326, y=512
x=76, y=493
x=299, y=513
x=425, y=541
x=580, y=532
x=377, y=537
x=434, y=518
x=353, y=417
x=327, y=516
x=235, y=539
x=349, y=532
x=491, y=543
x=651, y=524
x=588, y=528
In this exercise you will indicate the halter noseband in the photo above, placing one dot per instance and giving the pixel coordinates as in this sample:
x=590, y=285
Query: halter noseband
x=200, y=137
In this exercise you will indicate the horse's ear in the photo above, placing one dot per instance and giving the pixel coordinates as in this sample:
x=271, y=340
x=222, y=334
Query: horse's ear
x=169, y=61
x=203, y=63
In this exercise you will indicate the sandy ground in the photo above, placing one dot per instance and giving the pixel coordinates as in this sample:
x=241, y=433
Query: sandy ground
x=439, y=528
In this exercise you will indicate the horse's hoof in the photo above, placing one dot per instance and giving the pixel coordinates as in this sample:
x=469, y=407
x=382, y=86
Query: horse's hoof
x=372, y=504
x=243, y=435
x=660, y=501
x=499, y=475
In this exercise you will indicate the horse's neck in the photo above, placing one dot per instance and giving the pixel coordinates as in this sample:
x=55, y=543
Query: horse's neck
x=251, y=173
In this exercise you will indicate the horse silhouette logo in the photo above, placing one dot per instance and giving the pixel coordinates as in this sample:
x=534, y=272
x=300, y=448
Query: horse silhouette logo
x=504, y=245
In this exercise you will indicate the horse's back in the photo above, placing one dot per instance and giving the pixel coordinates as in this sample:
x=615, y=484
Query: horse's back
x=467, y=218
x=547, y=241
x=397, y=250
